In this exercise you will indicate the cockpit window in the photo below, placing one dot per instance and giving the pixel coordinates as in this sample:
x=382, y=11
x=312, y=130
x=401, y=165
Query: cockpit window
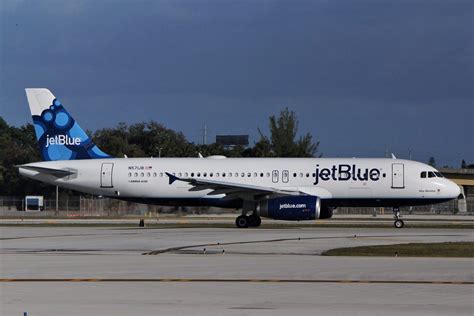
x=423, y=174
x=431, y=174
x=438, y=174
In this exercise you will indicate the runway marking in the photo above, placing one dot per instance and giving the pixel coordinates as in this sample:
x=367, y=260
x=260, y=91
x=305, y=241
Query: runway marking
x=160, y=251
x=187, y=280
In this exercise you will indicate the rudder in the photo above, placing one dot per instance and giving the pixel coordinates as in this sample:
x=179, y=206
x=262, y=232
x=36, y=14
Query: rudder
x=59, y=136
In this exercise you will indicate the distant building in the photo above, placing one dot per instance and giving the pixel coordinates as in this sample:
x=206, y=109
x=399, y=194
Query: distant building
x=232, y=140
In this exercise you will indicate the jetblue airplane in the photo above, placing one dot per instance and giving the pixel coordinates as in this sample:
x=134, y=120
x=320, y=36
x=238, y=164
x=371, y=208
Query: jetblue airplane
x=279, y=188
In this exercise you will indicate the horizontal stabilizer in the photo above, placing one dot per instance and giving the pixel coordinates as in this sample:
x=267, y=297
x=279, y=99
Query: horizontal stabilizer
x=58, y=173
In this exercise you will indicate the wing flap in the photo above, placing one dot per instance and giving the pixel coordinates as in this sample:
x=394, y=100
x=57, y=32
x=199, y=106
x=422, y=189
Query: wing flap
x=230, y=189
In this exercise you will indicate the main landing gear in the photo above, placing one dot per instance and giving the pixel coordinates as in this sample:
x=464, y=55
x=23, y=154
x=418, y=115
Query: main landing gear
x=252, y=220
x=398, y=222
x=244, y=221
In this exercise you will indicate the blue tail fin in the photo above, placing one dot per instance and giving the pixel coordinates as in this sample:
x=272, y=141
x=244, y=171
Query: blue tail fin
x=59, y=136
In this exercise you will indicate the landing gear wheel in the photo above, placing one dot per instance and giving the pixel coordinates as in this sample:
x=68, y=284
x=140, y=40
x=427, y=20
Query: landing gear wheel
x=242, y=221
x=398, y=223
x=254, y=220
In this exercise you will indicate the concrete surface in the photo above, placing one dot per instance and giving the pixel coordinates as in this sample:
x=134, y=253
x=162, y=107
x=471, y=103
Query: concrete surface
x=255, y=260
x=37, y=218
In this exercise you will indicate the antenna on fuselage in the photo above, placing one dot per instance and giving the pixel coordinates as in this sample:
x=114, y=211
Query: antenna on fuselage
x=393, y=156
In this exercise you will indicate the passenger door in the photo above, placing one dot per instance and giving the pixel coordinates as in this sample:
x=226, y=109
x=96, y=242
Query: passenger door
x=106, y=175
x=398, y=180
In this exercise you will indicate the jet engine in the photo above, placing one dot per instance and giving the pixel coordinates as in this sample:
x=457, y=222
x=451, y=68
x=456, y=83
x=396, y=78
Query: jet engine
x=293, y=208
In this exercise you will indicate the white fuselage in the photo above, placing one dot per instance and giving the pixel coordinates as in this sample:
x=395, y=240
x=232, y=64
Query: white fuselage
x=337, y=181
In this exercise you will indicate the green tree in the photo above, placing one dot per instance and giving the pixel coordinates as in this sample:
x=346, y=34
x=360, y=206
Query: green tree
x=145, y=139
x=282, y=141
x=262, y=148
x=432, y=162
x=18, y=146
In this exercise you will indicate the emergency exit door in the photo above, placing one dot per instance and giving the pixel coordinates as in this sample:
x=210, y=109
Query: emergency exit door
x=285, y=176
x=106, y=175
x=275, y=176
x=398, y=180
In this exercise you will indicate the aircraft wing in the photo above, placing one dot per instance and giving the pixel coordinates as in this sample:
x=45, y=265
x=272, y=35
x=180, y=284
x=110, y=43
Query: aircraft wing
x=232, y=190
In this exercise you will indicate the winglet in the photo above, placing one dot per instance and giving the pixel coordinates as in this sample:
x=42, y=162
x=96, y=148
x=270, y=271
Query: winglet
x=172, y=178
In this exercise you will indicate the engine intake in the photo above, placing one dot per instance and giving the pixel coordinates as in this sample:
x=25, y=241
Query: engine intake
x=292, y=208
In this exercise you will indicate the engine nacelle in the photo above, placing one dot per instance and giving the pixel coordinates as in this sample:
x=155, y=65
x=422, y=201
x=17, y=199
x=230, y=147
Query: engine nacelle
x=326, y=212
x=292, y=208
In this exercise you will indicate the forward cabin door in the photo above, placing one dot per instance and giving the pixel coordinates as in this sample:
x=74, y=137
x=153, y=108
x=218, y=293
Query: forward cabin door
x=106, y=175
x=398, y=178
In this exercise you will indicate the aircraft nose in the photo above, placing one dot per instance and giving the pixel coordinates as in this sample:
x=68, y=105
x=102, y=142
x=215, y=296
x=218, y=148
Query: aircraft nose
x=454, y=189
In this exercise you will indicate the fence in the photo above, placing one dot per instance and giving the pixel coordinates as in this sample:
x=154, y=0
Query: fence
x=79, y=206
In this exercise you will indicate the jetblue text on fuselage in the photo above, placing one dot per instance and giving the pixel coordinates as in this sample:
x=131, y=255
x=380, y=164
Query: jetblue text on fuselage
x=62, y=140
x=345, y=173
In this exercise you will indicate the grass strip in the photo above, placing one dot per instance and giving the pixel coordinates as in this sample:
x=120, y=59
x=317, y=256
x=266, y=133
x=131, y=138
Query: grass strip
x=444, y=249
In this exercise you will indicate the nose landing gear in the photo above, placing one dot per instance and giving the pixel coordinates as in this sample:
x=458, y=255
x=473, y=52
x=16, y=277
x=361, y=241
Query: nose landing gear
x=398, y=222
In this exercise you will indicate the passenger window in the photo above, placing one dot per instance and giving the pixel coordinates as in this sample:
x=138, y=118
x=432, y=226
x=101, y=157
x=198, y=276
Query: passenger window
x=180, y=174
x=136, y=174
x=217, y=174
x=261, y=174
x=301, y=175
x=199, y=174
x=255, y=174
x=249, y=174
x=431, y=174
x=223, y=174
x=148, y=174
x=129, y=174
x=294, y=175
x=314, y=174
x=161, y=174
x=154, y=174
x=307, y=175
x=268, y=174
x=192, y=174
x=242, y=174
x=142, y=174
x=205, y=174
x=186, y=174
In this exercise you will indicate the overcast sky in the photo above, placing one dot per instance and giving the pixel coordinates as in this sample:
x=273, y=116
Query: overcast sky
x=362, y=76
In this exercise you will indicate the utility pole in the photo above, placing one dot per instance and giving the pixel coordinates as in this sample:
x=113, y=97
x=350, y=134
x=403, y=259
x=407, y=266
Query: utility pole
x=57, y=200
x=204, y=135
